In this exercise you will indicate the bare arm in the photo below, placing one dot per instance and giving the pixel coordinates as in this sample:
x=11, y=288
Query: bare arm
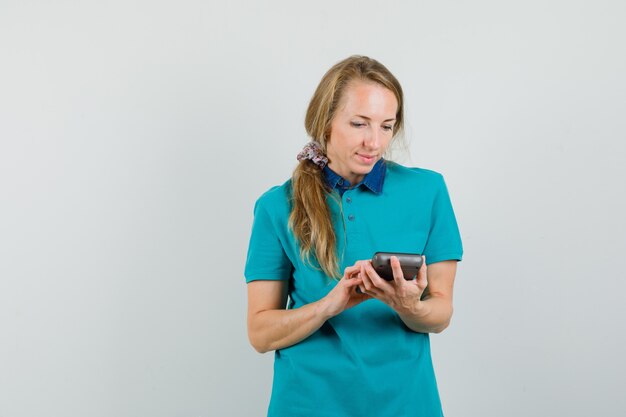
x=271, y=326
x=433, y=313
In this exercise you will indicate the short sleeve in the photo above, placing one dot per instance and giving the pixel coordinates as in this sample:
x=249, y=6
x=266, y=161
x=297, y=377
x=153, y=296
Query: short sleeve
x=266, y=259
x=444, y=240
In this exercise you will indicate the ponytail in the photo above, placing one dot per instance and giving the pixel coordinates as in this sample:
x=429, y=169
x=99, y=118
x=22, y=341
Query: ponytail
x=310, y=218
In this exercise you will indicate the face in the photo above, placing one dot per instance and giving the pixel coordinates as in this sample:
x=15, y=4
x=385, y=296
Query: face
x=361, y=129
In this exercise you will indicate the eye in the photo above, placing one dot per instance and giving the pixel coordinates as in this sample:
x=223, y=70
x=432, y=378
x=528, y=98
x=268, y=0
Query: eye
x=357, y=124
x=388, y=128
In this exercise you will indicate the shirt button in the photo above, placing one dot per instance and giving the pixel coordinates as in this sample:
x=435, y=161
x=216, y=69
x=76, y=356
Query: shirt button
x=340, y=182
x=348, y=200
x=351, y=217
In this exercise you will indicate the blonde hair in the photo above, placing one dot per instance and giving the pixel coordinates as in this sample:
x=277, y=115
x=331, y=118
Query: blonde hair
x=310, y=218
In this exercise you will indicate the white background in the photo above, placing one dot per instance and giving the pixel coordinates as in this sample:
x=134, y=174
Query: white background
x=135, y=137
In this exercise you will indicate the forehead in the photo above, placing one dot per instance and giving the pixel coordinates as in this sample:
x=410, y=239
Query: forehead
x=368, y=99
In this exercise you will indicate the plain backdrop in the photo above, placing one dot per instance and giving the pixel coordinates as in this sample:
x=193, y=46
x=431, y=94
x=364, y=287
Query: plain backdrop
x=135, y=137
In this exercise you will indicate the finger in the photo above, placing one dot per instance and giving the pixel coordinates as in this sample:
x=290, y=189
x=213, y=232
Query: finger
x=353, y=282
x=350, y=270
x=398, y=275
x=370, y=294
x=367, y=282
x=375, y=279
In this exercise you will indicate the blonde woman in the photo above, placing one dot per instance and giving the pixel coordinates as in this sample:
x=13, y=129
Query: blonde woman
x=346, y=341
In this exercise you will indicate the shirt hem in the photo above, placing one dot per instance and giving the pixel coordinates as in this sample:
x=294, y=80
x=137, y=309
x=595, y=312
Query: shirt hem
x=264, y=278
x=452, y=256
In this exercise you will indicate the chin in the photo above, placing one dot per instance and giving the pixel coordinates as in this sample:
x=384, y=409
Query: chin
x=362, y=170
x=365, y=167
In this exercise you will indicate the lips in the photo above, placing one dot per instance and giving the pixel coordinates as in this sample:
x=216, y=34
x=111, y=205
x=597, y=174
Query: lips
x=368, y=159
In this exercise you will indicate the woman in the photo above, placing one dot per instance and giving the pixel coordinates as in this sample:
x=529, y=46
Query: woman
x=350, y=343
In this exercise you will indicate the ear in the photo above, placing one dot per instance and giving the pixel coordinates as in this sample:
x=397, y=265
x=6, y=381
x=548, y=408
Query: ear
x=326, y=139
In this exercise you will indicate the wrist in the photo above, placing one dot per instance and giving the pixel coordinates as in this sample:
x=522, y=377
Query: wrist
x=417, y=310
x=323, y=309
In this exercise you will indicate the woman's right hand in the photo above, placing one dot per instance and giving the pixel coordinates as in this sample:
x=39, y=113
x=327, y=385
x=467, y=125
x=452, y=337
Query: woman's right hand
x=271, y=326
x=344, y=295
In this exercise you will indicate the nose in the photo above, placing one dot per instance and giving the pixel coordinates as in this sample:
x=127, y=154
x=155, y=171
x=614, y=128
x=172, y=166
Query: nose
x=372, y=139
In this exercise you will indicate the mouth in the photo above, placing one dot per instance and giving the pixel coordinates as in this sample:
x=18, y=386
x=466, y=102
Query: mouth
x=368, y=159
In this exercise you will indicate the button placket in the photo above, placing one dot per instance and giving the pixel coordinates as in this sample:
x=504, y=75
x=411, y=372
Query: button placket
x=350, y=214
x=348, y=200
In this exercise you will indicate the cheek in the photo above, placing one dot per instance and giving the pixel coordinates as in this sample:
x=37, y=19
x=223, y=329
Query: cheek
x=352, y=140
x=340, y=142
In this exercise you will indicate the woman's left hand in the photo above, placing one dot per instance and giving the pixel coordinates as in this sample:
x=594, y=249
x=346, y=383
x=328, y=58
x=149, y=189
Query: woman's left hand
x=401, y=295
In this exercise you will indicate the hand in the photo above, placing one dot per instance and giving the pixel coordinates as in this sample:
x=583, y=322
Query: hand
x=344, y=295
x=401, y=295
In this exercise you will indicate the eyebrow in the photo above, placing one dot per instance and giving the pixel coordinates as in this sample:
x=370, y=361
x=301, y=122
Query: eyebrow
x=365, y=117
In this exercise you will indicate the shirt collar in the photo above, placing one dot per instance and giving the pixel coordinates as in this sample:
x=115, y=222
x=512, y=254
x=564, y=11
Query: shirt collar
x=373, y=180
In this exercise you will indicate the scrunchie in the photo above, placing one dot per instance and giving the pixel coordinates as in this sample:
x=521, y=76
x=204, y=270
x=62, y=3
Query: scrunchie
x=313, y=152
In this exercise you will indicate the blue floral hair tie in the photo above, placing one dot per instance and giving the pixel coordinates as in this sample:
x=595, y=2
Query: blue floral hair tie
x=313, y=152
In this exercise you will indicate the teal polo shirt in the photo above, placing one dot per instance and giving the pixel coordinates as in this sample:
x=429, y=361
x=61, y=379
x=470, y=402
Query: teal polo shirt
x=364, y=361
